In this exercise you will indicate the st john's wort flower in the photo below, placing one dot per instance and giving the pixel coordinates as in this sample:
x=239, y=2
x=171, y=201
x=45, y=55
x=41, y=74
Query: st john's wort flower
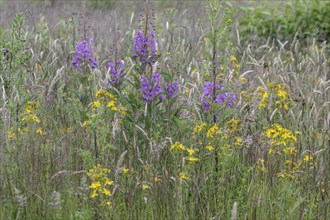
x=84, y=54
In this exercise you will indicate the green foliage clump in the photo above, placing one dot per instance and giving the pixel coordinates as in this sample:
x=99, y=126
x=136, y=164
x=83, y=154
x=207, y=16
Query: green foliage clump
x=285, y=20
x=101, y=4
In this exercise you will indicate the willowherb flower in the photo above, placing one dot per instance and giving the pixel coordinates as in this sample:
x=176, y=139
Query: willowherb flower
x=151, y=88
x=152, y=43
x=144, y=45
x=172, y=89
x=84, y=54
x=117, y=71
x=205, y=105
x=213, y=93
x=140, y=45
x=209, y=88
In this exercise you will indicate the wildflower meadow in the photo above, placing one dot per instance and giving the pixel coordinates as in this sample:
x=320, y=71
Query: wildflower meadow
x=164, y=110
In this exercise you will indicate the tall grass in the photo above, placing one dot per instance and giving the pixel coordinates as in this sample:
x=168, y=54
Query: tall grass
x=74, y=146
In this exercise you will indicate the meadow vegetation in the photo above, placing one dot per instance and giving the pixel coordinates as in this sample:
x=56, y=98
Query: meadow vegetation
x=173, y=114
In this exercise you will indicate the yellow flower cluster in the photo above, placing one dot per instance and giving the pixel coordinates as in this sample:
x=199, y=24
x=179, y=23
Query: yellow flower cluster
x=30, y=113
x=213, y=131
x=199, y=128
x=279, y=136
x=11, y=134
x=177, y=146
x=192, y=160
x=279, y=94
x=110, y=100
x=29, y=116
x=100, y=183
x=232, y=126
x=234, y=61
x=282, y=96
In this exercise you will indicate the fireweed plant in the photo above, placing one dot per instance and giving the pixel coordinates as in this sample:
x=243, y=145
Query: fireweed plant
x=158, y=96
x=214, y=93
x=116, y=67
x=84, y=61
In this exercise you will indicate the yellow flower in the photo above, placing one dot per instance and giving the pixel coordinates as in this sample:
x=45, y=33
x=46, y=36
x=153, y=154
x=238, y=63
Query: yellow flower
x=184, y=176
x=101, y=94
x=145, y=186
x=112, y=105
x=30, y=106
x=214, y=130
x=125, y=170
x=108, y=182
x=106, y=192
x=11, y=134
x=308, y=158
x=156, y=179
x=270, y=151
x=281, y=175
x=264, y=98
x=177, y=146
x=95, y=185
x=232, y=126
x=233, y=58
x=96, y=104
x=199, y=128
x=209, y=148
x=85, y=123
x=39, y=131
x=94, y=194
x=282, y=94
x=191, y=151
x=192, y=160
x=238, y=141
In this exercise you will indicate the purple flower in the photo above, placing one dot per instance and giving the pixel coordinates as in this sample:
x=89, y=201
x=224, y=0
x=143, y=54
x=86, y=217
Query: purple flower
x=172, y=89
x=84, y=53
x=117, y=71
x=151, y=88
x=213, y=93
x=220, y=98
x=152, y=43
x=142, y=44
x=231, y=99
x=205, y=105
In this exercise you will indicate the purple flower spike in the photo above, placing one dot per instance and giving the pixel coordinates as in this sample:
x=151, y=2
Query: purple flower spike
x=205, y=105
x=231, y=99
x=117, y=71
x=213, y=94
x=140, y=45
x=84, y=53
x=152, y=43
x=144, y=45
x=151, y=88
x=172, y=89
